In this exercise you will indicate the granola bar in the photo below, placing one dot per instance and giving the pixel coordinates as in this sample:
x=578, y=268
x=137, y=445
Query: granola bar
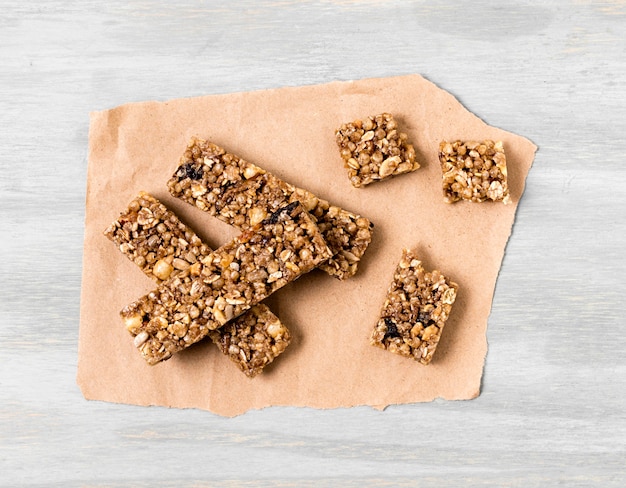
x=155, y=239
x=241, y=193
x=474, y=170
x=162, y=246
x=252, y=340
x=225, y=283
x=416, y=309
x=374, y=150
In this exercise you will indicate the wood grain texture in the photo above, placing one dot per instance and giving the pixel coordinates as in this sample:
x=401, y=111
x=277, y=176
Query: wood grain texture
x=553, y=402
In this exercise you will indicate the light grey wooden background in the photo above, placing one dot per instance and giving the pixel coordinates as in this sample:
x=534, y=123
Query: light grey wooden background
x=553, y=404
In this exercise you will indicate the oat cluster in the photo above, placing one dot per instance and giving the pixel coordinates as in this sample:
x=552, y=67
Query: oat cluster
x=415, y=311
x=374, y=149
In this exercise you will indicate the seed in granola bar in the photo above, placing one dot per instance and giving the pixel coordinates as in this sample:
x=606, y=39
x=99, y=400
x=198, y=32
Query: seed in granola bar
x=162, y=269
x=374, y=150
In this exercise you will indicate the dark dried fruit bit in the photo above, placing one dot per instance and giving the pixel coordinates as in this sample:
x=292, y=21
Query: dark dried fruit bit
x=421, y=303
x=191, y=171
x=392, y=328
x=292, y=210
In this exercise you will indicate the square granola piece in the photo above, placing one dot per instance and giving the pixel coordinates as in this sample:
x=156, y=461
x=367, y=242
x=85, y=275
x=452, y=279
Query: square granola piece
x=253, y=340
x=374, y=149
x=416, y=309
x=474, y=171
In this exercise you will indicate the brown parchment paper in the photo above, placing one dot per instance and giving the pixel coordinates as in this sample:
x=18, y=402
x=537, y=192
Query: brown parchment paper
x=290, y=132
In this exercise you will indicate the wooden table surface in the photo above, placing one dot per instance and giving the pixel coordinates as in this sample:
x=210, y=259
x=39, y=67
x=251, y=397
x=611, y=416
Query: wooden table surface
x=553, y=405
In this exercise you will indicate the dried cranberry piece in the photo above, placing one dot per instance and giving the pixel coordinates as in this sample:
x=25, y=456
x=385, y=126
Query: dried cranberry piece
x=392, y=329
x=190, y=171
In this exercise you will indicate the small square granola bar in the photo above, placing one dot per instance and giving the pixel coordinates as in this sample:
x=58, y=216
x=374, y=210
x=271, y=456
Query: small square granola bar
x=374, y=149
x=474, y=171
x=253, y=340
x=416, y=309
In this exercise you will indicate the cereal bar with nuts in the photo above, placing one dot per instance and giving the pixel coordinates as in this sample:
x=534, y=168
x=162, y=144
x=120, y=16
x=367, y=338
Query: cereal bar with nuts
x=474, y=171
x=373, y=149
x=241, y=193
x=252, y=340
x=226, y=283
x=154, y=238
x=415, y=311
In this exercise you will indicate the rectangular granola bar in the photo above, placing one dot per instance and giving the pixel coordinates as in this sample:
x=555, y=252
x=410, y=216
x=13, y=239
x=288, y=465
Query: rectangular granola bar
x=474, y=171
x=240, y=193
x=416, y=309
x=154, y=238
x=226, y=283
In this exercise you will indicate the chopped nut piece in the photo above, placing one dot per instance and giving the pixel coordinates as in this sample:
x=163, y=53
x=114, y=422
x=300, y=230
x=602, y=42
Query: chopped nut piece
x=133, y=321
x=162, y=269
x=241, y=194
x=474, y=171
x=415, y=311
x=289, y=228
x=140, y=339
x=136, y=241
x=374, y=150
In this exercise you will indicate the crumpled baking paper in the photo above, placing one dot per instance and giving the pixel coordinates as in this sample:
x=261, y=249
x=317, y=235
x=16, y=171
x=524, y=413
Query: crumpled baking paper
x=290, y=132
